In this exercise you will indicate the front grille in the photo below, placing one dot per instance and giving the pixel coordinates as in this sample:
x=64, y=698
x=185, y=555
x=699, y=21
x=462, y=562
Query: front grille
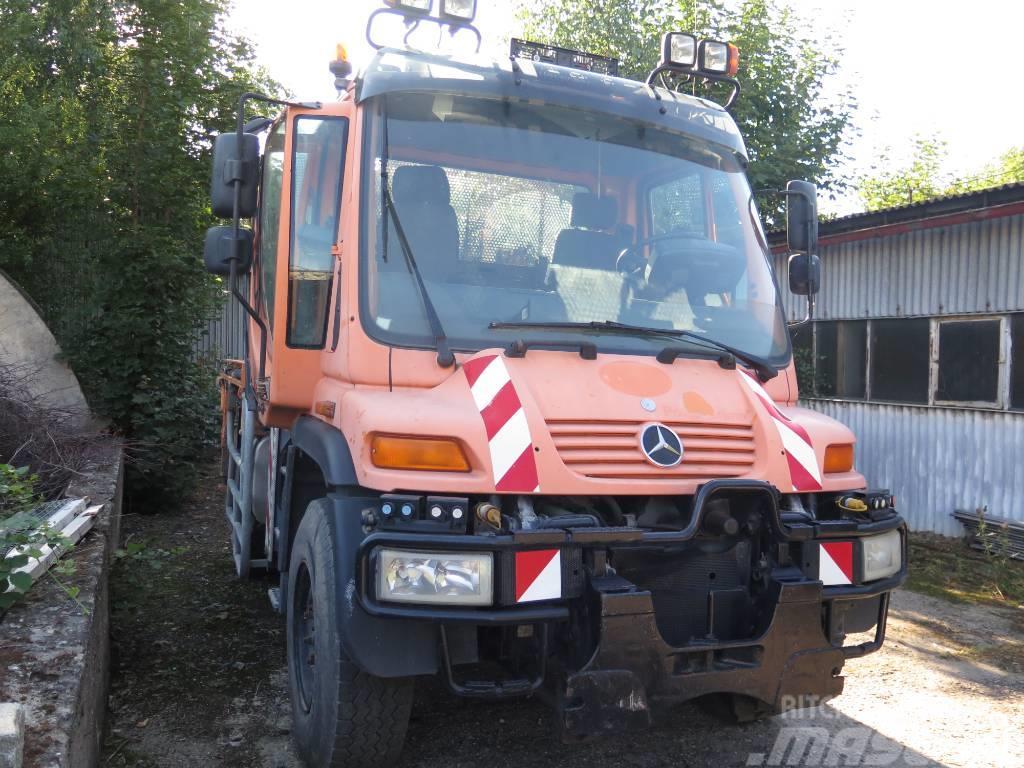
x=610, y=450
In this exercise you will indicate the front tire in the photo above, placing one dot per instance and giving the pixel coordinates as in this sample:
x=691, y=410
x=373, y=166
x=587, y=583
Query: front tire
x=341, y=716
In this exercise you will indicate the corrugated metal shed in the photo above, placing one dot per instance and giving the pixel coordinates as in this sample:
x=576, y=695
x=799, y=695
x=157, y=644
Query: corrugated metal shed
x=958, y=255
x=224, y=335
x=969, y=268
x=938, y=459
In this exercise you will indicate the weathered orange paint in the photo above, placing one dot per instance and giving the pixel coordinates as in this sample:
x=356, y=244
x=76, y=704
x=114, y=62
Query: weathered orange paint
x=631, y=378
x=694, y=402
x=583, y=415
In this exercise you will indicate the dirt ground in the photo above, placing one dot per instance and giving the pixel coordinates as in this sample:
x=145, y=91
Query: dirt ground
x=199, y=680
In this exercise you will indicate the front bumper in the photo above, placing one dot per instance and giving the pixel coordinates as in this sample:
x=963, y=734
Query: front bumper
x=795, y=659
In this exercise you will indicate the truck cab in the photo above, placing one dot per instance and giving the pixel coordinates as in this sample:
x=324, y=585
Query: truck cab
x=519, y=406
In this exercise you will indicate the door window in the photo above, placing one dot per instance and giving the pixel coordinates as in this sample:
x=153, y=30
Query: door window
x=317, y=168
x=270, y=217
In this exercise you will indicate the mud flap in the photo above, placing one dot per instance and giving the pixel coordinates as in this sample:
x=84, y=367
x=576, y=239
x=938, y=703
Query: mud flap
x=610, y=693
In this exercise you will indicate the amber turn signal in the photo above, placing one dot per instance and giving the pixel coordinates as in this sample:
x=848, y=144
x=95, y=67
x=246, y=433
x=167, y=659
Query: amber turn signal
x=839, y=457
x=432, y=454
x=734, y=61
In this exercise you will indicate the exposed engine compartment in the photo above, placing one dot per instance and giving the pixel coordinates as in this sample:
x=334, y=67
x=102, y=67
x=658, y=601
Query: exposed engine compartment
x=706, y=588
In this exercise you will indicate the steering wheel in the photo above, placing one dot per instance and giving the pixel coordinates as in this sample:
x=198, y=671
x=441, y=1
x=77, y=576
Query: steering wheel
x=631, y=263
x=699, y=266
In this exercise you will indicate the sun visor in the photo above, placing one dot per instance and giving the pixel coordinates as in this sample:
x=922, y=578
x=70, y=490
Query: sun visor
x=400, y=71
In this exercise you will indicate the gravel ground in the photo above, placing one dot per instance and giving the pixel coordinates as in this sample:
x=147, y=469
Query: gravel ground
x=200, y=680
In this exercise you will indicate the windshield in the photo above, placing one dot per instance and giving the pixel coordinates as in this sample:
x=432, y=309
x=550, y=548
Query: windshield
x=537, y=214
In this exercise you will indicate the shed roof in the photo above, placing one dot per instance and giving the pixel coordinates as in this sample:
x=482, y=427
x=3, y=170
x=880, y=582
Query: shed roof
x=994, y=202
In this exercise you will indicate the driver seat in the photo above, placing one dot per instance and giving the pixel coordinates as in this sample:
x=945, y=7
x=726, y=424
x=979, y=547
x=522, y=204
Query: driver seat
x=592, y=241
x=422, y=199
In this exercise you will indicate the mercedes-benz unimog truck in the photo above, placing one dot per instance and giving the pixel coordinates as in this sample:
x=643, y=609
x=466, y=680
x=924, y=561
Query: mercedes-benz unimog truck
x=518, y=406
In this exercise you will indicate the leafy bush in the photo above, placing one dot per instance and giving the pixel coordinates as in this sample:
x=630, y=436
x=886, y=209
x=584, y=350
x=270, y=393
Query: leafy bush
x=17, y=490
x=107, y=111
x=135, y=362
x=17, y=495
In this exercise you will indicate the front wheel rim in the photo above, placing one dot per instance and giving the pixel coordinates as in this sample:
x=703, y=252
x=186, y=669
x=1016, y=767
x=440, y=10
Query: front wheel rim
x=303, y=629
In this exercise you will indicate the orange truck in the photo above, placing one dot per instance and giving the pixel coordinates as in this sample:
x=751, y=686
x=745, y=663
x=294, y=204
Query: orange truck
x=518, y=406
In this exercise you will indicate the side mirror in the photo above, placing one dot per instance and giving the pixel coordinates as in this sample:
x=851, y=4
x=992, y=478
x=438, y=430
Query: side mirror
x=804, y=274
x=802, y=217
x=218, y=251
x=227, y=169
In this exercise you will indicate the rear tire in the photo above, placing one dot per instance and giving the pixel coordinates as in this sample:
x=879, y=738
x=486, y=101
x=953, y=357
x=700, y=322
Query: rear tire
x=341, y=716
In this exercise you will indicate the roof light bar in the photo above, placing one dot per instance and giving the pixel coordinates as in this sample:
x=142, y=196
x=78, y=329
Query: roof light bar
x=564, y=57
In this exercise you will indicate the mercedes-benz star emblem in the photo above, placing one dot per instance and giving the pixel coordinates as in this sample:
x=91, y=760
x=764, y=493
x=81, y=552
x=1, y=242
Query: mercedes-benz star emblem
x=661, y=445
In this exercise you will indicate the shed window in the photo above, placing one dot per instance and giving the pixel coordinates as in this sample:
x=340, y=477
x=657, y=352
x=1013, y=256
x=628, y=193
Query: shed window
x=968, y=370
x=899, y=360
x=841, y=359
x=1017, y=357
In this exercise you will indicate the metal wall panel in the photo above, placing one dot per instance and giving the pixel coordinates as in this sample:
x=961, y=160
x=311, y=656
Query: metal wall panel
x=938, y=459
x=223, y=336
x=962, y=269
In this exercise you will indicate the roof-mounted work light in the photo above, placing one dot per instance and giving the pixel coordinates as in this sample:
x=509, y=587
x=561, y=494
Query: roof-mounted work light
x=455, y=16
x=411, y=6
x=458, y=11
x=679, y=49
x=719, y=58
x=685, y=61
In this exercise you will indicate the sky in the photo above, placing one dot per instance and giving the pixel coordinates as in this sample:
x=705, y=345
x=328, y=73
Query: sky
x=913, y=68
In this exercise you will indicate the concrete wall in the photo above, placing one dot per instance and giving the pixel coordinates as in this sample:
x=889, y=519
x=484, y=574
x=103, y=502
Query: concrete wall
x=27, y=345
x=55, y=656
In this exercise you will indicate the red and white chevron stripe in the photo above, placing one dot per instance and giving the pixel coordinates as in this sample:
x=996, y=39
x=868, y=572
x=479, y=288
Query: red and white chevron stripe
x=803, y=464
x=508, y=433
x=835, y=563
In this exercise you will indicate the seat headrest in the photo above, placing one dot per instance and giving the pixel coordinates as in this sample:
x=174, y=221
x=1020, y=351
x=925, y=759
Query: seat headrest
x=592, y=212
x=421, y=184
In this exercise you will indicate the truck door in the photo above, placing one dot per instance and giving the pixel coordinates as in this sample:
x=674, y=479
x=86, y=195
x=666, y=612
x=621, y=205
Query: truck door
x=303, y=166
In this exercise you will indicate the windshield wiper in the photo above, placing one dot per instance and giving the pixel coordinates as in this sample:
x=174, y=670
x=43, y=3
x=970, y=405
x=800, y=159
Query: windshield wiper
x=764, y=370
x=445, y=358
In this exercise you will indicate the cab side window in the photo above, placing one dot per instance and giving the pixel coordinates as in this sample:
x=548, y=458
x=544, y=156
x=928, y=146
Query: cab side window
x=270, y=217
x=317, y=169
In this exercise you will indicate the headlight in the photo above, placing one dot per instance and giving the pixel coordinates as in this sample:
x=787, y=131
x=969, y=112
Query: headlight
x=883, y=555
x=441, y=578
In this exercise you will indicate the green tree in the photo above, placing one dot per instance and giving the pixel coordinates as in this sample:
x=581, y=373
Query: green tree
x=922, y=177
x=793, y=127
x=106, y=114
x=1007, y=169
